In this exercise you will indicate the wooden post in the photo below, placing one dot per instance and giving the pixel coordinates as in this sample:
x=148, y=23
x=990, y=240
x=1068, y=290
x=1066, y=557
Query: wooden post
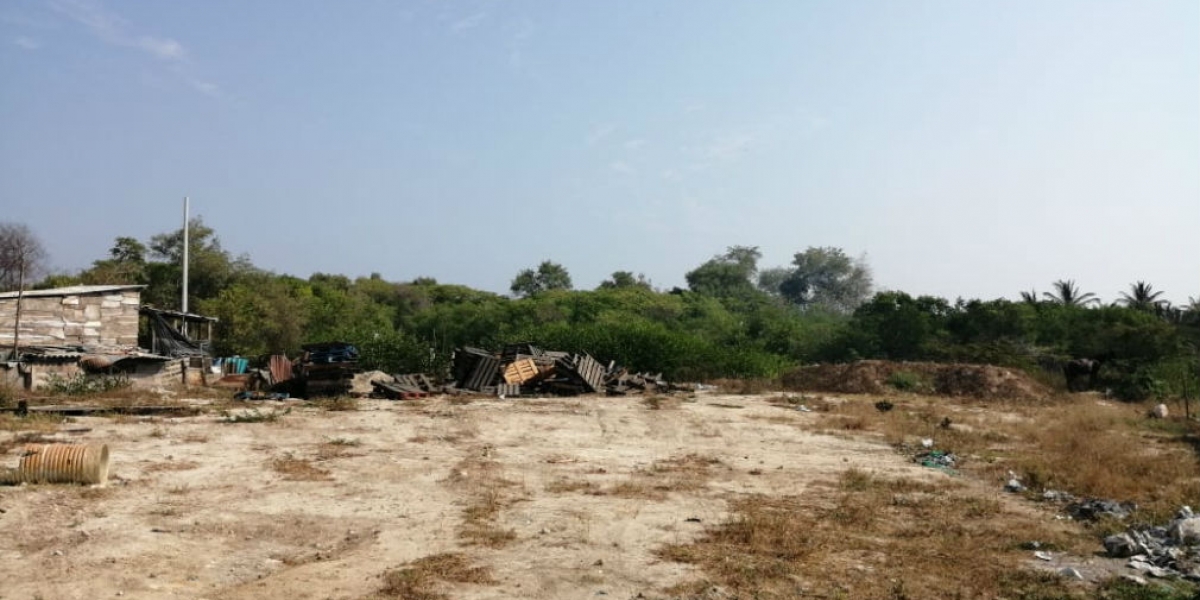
x=16, y=351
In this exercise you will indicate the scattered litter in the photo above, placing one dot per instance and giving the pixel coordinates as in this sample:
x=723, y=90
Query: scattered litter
x=1057, y=496
x=938, y=459
x=1042, y=555
x=248, y=395
x=1157, y=551
x=1092, y=509
x=803, y=408
x=1014, y=486
x=1159, y=412
x=1071, y=572
x=927, y=443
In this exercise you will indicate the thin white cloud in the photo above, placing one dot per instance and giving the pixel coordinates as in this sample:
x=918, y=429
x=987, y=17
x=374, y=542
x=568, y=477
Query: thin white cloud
x=163, y=48
x=114, y=30
x=207, y=88
x=518, y=41
x=469, y=22
x=599, y=133
x=622, y=167
x=728, y=147
x=26, y=43
x=111, y=28
x=635, y=144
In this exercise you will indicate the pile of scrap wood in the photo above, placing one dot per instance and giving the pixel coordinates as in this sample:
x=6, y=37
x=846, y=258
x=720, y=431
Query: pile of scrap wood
x=525, y=369
x=328, y=368
x=405, y=387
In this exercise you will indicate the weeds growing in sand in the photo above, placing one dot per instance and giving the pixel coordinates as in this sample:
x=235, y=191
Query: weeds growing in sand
x=337, y=404
x=419, y=580
x=299, y=469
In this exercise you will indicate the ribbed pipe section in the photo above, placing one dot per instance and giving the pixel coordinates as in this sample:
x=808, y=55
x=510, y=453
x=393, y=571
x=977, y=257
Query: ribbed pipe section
x=64, y=463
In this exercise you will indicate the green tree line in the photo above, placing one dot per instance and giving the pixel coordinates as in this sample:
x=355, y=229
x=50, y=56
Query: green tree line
x=732, y=320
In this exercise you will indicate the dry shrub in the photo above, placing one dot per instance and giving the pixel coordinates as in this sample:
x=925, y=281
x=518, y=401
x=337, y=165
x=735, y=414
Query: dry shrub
x=418, y=580
x=299, y=469
x=929, y=540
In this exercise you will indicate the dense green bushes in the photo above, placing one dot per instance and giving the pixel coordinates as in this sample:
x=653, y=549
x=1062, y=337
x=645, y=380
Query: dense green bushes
x=733, y=321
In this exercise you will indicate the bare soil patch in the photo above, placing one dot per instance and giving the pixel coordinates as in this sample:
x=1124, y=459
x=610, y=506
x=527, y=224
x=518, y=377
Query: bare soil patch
x=580, y=498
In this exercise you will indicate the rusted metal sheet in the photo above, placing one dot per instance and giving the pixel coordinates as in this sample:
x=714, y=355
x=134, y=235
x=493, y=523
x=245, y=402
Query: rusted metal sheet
x=280, y=367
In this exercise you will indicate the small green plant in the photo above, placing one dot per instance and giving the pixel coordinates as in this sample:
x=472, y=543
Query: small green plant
x=908, y=381
x=254, y=416
x=82, y=384
x=1120, y=589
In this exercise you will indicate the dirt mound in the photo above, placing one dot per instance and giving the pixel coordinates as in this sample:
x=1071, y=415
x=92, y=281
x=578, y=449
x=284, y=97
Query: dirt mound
x=879, y=377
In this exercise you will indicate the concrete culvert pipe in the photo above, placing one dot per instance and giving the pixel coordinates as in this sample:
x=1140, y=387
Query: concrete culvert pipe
x=64, y=463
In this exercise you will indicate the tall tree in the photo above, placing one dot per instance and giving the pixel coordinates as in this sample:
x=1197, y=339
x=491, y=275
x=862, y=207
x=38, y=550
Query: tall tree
x=211, y=269
x=1142, y=297
x=548, y=276
x=828, y=278
x=727, y=275
x=126, y=264
x=625, y=279
x=1067, y=293
x=22, y=256
x=1030, y=297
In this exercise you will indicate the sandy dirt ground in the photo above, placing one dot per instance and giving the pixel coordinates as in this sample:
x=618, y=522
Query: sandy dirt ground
x=319, y=504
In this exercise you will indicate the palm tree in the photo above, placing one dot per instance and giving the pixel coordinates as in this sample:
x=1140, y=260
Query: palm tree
x=1030, y=297
x=1143, y=297
x=1067, y=294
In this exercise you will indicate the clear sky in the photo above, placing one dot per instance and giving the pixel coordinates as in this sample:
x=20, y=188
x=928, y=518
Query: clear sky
x=970, y=149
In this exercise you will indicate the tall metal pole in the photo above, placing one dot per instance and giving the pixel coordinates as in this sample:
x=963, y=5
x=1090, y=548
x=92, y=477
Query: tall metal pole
x=186, y=247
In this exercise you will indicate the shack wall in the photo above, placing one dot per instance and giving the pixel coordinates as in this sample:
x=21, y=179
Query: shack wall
x=97, y=319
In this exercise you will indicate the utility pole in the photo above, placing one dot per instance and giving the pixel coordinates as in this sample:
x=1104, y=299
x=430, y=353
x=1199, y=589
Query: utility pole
x=186, y=247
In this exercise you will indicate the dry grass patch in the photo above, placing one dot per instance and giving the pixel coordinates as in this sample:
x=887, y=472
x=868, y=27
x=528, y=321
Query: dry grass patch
x=299, y=469
x=1078, y=445
x=661, y=402
x=686, y=473
x=567, y=486
x=336, y=404
x=871, y=538
x=171, y=465
x=34, y=422
x=487, y=493
x=421, y=578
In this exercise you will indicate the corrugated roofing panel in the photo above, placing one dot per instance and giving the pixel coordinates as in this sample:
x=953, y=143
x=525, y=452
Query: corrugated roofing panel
x=75, y=290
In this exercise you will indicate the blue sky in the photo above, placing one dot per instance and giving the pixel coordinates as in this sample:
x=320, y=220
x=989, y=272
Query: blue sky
x=970, y=149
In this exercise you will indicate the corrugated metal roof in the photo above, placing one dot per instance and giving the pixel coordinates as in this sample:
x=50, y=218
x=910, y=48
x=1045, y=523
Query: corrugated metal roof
x=75, y=290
